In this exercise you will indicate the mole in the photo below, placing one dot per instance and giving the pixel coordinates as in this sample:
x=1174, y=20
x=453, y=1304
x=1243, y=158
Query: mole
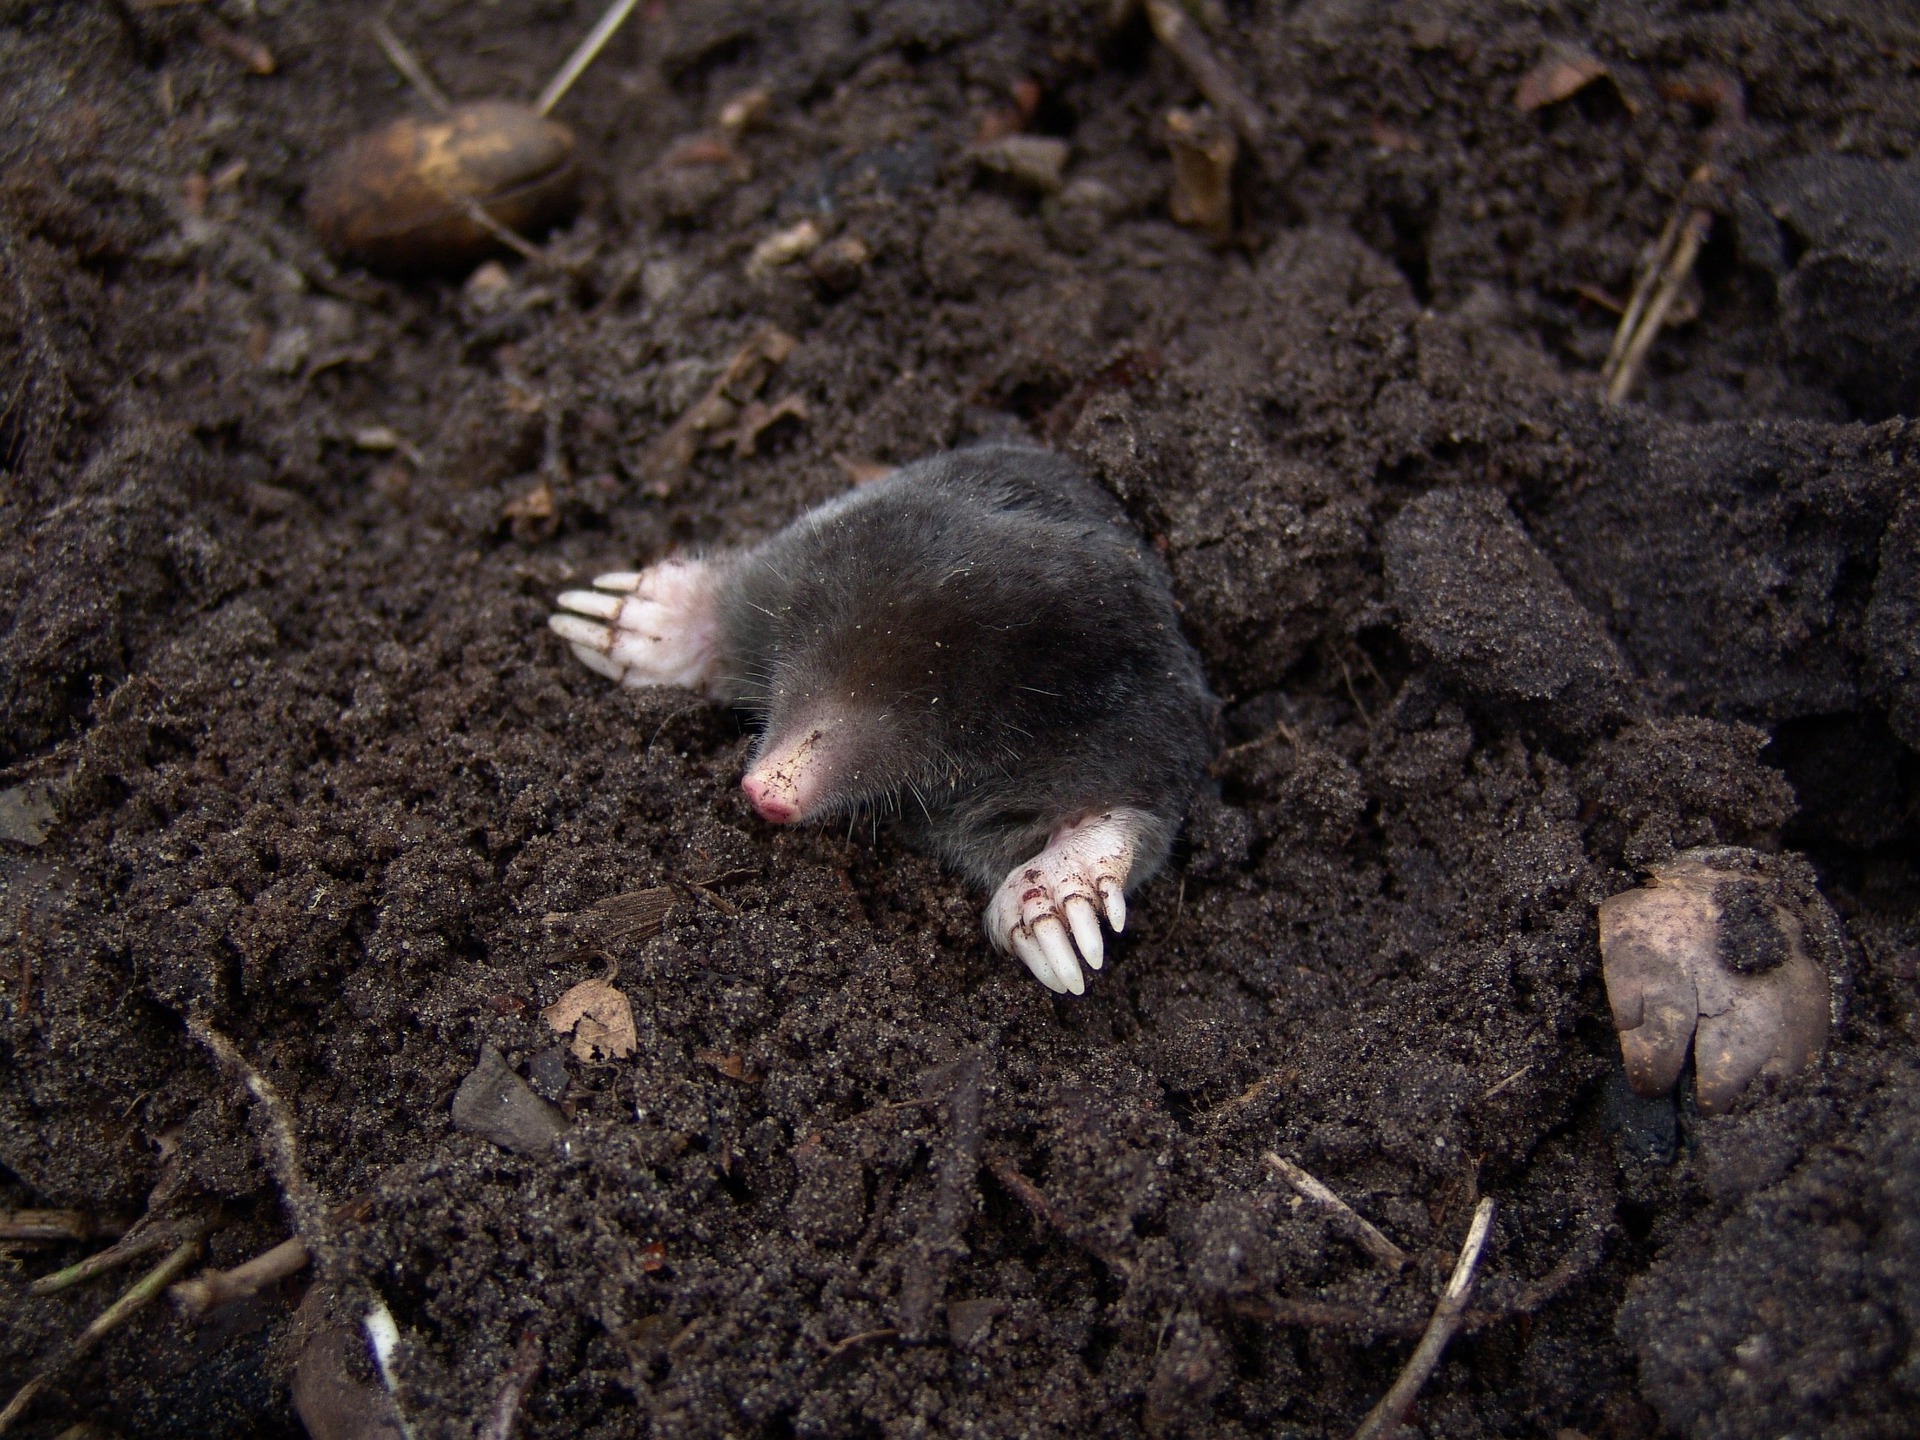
x=978, y=646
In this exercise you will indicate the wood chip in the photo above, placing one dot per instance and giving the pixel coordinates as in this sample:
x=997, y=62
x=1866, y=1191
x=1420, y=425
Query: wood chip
x=633, y=915
x=709, y=421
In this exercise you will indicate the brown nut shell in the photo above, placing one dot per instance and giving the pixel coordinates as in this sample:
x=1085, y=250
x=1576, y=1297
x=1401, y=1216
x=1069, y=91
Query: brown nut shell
x=1673, y=982
x=403, y=197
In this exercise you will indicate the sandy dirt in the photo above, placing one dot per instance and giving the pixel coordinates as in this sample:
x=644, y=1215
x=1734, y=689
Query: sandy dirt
x=280, y=538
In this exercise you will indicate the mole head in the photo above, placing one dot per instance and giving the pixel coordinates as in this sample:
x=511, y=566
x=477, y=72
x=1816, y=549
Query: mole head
x=824, y=759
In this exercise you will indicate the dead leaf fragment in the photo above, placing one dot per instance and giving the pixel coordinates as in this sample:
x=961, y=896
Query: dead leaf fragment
x=1564, y=73
x=534, y=515
x=709, y=420
x=599, y=1018
x=730, y=1063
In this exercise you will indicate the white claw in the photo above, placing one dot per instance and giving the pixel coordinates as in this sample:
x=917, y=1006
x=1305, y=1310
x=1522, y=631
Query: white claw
x=591, y=602
x=1031, y=956
x=1052, y=936
x=1084, y=920
x=1049, y=907
x=657, y=626
x=577, y=630
x=598, y=663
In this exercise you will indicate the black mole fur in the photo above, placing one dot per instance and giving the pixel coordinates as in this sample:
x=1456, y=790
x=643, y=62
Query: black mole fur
x=1002, y=642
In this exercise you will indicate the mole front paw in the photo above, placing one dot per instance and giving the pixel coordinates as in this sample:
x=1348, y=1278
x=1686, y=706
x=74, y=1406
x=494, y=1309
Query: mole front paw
x=1048, y=910
x=656, y=626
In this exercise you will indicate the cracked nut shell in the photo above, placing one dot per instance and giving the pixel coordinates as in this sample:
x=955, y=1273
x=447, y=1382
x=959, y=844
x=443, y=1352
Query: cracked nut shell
x=1721, y=952
x=404, y=197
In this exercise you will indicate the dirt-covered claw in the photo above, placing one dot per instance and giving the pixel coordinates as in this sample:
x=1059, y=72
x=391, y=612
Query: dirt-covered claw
x=647, y=627
x=1048, y=910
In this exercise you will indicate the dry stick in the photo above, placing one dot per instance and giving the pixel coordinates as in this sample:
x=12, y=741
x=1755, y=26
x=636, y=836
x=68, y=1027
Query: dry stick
x=279, y=1146
x=135, y=1244
x=1253, y=1092
x=1035, y=1199
x=1321, y=1315
x=1173, y=29
x=41, y=1226
x=409, y=66
x=1692, y=234
x=513, y=1389
x=583, y=55
x=1386, y=1417
x=923, y=1282
x=140, y=1295
x=211, y=1289
x=1371, y=1239
x=840, y=1347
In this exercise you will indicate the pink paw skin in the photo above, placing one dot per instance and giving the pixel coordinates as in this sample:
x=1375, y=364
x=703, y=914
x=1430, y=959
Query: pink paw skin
x=658, y=626
x=1047, y=911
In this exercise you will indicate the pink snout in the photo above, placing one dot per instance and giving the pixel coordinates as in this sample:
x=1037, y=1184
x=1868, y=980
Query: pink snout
x=775, y=801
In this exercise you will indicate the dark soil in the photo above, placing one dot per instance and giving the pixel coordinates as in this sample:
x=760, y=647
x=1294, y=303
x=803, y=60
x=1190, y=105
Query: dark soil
x=1488, y=647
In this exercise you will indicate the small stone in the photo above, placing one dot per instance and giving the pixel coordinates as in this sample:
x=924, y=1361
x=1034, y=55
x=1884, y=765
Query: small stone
x=969, y=1321
x=1034, y=162
x=837, y=267
x=497, y=1105
x=27, y=813
x=746, y=111
x=784, y=247
x=547, y=1073
x=487, y=286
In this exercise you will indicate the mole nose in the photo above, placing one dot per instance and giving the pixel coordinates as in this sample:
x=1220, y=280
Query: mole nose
x=774, y=801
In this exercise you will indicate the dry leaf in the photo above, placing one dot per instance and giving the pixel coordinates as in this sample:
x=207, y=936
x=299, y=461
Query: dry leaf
x=730, y=1063
x=599, y=1018
x=534, y=516
x=1564, y=73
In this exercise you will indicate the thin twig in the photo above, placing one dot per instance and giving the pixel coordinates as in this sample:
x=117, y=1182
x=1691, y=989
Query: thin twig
x=1506, y=1083
x=1183, y=40
x=507, y=236
x=1688, y=234
x=44, y=1226
x=409, y=66
x=280, y=1145
x=137, y=1243
x=583, y=54
x=840, y=1347
x=141, y=1294
x=1387, y=1416
x=1371, y=1239
x=1035, y=1199
x=513, y=1389
x=1253, y=1092
x=210, y=1289
x=1322, y=1315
